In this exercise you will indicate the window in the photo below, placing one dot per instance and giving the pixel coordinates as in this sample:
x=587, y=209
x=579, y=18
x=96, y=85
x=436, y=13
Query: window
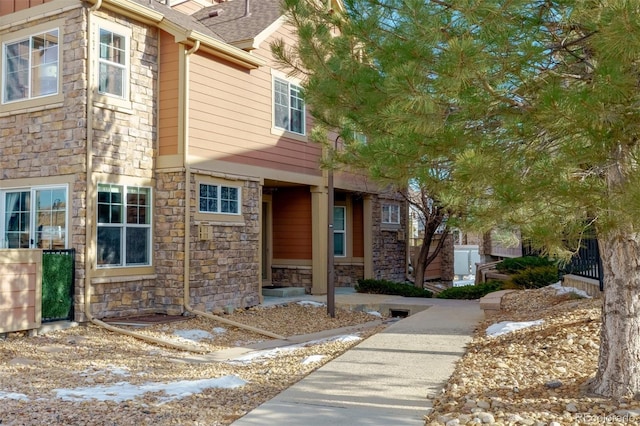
x=34, y=218
x=219, y=199
x=391, y=214
x=112, y=64
x=31, y=67
x=289, y=108
x=339, y=231
x=124, y=225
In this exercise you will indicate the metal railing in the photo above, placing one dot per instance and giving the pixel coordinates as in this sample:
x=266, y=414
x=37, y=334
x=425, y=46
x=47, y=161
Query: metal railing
x=586, y=262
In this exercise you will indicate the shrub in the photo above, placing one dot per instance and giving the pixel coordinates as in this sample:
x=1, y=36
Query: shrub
x=517, y=264
x=537, y=277
x=389, y=287
x=471, y=292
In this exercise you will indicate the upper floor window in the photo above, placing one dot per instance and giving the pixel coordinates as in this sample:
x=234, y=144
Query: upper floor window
x=112, y=63
x=124, y=225
x=219, y=199
x=289, y=109
x=31, y=67
x=391, y=214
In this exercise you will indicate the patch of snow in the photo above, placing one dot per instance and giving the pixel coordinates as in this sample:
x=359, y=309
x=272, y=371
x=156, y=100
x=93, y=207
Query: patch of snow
x=14, y=395
x=113, y=369
x=313, y=358
x=310, y=303
x=219, y=330
x=505, y=327
x=272, y=353
x=560, y=289
x=194, y=335
x=374, y=313
x=124, y=391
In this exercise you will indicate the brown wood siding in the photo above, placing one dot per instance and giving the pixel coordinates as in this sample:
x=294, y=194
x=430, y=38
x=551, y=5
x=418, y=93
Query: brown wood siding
x=11, y=6
x=292, y=223
x=168, y=97
x=230, y=118
x=358, y=227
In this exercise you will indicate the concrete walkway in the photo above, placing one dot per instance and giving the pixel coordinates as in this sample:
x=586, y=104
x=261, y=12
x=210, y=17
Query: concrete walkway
x=390, y=378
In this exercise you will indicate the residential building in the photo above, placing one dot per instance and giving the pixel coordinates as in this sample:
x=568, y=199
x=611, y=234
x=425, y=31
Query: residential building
x=162, y=142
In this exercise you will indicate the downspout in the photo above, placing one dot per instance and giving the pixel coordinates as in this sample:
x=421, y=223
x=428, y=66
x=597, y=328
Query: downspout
x=187, y=213
x=90, y=207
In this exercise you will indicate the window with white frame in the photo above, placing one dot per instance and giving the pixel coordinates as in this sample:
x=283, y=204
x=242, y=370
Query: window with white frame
x=31, y=67
x=215, y=198
x=339, y=231
x=113, y=63
x=34, y=217
x=124, y=226
x=288, y=106
x=391, y=214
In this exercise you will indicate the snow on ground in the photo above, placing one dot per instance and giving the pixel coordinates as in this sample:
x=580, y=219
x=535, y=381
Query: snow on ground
x=272, y=353
x=193, y=335
x=313, y=358
x=560, y=289
x=505, y=327
x=13, y=395
x=124, y=391
x=310, y=303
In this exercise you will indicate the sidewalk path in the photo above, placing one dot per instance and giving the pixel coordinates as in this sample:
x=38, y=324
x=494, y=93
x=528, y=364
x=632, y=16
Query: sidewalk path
x=390, y=378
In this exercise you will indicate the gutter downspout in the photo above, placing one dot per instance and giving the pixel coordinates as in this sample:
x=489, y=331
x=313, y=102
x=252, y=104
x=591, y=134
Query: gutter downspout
x=90, y=207
x=187, y=213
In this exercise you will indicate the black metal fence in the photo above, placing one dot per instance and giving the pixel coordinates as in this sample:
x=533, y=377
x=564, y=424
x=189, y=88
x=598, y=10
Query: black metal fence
x=58, y=278
x=586, y=262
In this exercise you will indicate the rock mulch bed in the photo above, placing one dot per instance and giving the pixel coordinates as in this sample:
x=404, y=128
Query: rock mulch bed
x=536, y=375
x=90, y=376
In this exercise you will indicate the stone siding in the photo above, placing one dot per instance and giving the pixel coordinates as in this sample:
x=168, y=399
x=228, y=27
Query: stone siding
x=389, y=248
x=292, y=276
x=122, y=299
x=347, y=275
x=224, y=271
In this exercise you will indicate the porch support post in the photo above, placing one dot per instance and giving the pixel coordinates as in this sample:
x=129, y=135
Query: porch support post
x=367, y=219
x=319, y=224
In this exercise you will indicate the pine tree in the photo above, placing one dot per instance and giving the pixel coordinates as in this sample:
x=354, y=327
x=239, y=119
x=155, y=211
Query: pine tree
x=513, y=114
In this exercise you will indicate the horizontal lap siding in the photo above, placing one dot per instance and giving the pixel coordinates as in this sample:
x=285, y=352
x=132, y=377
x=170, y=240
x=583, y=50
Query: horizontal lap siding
x=230, y=119
x=292, y=223
x=168, y=101
x=19, y=290
x=11, y=6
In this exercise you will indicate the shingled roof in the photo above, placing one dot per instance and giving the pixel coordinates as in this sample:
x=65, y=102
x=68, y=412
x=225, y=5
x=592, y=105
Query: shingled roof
x=230, y=20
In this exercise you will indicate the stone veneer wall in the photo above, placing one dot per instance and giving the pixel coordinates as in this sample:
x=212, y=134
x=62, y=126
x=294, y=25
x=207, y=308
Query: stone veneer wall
x=292, y=276
x=51, y=141
x=347, y=275
x=225, y=270
x=124, y=145
x=389, y=252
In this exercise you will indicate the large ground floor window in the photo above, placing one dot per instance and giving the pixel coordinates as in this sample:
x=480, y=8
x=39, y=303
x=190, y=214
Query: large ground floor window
x=124, y=226
x=34, y=217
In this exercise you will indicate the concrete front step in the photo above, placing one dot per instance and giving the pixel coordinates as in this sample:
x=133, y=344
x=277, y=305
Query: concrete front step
x=283, y=291
x=491, y=303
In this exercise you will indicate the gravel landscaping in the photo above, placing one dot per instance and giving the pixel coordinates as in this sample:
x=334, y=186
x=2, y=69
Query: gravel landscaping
x=90, y=376
x=535, y=375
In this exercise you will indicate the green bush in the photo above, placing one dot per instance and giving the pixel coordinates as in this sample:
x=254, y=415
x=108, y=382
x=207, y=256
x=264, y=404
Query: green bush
x=540, y=276
x=517, y=264
x=389, y=287
x=471, y=292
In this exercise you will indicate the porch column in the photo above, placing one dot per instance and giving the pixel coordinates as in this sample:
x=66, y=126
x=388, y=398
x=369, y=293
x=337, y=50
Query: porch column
x=319, y=238
x=367, y=220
